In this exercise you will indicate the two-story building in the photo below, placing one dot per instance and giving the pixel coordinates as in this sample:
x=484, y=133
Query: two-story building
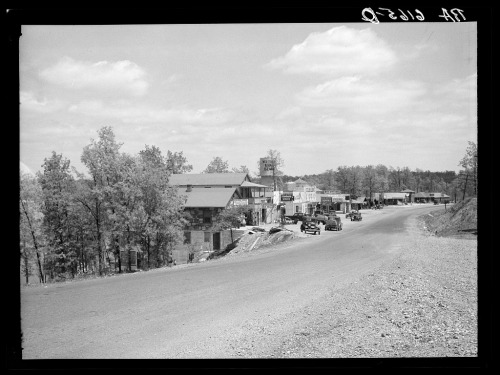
x=207, y=194
x=298, y=196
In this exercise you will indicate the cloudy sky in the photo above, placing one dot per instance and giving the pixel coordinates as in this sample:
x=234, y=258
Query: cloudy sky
x=324, y=95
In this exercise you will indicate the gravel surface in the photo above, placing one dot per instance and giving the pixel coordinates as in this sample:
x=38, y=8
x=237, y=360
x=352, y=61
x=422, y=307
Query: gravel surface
x=423, y=304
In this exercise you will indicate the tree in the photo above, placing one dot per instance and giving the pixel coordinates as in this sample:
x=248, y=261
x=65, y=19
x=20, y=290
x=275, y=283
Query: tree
x=469, y=164
x=342, y=179
x=241, y=169
x=217, y=165
x=162, y=206
x=355, y=176
x=370, y=181
x=177, y=163
x=229, y=218
x=31, y=217
x=57, y=188
x=101, y=157
x=328, y=180
x=383, y=177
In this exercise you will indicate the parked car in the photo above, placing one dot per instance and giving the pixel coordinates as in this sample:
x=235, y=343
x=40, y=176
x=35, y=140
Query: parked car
x=298, y=216
x=310, y=227
x=350, y=214
x=356, y=216
x=320, y=218
x=335, y=224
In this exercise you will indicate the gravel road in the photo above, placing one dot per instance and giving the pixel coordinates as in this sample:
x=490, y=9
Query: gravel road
x=423, y=304
x=421, y=301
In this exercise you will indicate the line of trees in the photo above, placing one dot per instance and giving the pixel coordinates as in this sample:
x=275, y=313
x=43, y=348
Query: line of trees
x=71, y=223
x=366, y=180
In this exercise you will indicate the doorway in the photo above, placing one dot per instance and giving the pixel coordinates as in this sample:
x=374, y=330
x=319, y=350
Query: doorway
x=216, y=241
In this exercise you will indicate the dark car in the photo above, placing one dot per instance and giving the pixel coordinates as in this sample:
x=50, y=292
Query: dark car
x=298, y=216
x=335, y=224
x=351, y=214
x=310, y=227
x=356, y=216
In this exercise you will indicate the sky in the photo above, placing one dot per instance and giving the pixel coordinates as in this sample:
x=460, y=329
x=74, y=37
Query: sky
x=322, y=94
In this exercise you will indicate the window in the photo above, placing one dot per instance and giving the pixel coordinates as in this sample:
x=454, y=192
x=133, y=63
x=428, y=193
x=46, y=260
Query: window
x=207, y=236
x=207, y=217
x=187, y=237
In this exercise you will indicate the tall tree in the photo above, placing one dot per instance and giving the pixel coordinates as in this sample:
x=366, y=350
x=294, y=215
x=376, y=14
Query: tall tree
x=58, y=186
x=31, y=217
x=102, y=159
x=469, y=164
x=162, y=205
x=342, y=179
x=217, y=165
x=328, y=180
x=370, y=181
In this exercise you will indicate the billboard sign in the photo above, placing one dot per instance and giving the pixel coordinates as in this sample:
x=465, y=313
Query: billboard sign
x=266, y=167
x=325, y=201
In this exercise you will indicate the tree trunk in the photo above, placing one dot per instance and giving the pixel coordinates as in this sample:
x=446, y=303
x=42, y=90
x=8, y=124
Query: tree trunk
x=148, y=250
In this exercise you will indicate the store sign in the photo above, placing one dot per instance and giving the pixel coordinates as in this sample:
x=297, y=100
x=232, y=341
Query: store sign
x=325, y=201
x=240, y=202
x=287, y=198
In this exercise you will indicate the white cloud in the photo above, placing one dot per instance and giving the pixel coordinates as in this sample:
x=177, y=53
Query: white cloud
x=30, y=102
x=125, y=75
x=353, y=95
x=143, y=115
x=337, y=52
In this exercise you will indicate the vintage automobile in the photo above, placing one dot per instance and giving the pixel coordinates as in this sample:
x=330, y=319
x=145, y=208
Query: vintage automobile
x=356, y=216
x=310, y=227
x=350, y=214
x=334, y=224
x=298, y=216
x=319, y=218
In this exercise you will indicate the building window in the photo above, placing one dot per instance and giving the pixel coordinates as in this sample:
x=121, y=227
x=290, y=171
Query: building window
x=187, y=237
x=207, y=217
x=207, y=236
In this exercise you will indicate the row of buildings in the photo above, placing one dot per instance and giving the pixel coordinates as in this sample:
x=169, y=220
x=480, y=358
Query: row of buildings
x=206, y=194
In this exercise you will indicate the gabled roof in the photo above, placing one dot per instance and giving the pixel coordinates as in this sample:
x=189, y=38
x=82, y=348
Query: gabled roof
x=252, y=184
x=422, y=194
x=213, y=197
x=207, y=179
